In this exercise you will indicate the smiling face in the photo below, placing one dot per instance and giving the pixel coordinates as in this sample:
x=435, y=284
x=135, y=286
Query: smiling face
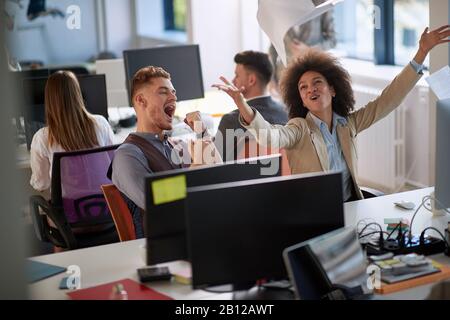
x=315, y=92
x=155, y=104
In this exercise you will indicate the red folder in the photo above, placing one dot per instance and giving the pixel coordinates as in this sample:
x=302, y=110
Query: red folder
x=134, y=291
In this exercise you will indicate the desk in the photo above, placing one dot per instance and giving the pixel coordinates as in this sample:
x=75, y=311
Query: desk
x=113, y=262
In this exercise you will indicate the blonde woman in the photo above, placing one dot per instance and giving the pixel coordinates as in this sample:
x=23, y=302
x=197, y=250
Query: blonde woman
x=70, y=127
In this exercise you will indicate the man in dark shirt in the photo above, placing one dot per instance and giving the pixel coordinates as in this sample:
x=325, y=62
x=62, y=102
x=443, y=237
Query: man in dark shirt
x=253, y=73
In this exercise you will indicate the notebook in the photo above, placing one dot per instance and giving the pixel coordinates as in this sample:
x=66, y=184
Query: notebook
x=133, y=289
x=37, y=271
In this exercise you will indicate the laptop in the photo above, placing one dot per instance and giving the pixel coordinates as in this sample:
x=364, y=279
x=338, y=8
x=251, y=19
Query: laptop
x=332, y=266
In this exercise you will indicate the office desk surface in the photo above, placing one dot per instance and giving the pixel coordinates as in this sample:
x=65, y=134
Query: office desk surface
x=113, y=262
x=104, y=264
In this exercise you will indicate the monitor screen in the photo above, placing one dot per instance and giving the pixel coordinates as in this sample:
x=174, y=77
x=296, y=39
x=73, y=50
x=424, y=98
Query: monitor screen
x=442, y=191
x=165, y=223
x=35, y=73
x=45, y=72
x=237, y=231
x=182, y=62
x=315, y=267
x=93, y=89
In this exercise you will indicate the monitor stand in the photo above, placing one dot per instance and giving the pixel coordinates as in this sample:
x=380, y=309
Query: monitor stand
x=436, y=211
x=261, y=293
x=227, y=288
x=230, y=288
x=275, y=290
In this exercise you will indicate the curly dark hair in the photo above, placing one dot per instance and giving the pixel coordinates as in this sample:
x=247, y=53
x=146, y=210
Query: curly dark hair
x=328, y=66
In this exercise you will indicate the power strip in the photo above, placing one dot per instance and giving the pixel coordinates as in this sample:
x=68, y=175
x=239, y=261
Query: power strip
x=429, y=246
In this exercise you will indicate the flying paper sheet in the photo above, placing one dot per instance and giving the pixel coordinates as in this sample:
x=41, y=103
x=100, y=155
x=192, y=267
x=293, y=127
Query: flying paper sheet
x=440, y=83
x=276, y=17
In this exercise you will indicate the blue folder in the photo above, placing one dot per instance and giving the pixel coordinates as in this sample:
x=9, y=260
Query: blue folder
x=37, y=271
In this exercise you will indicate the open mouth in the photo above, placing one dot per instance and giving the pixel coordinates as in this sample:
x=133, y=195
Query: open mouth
x=169, y=110
x=314, y=98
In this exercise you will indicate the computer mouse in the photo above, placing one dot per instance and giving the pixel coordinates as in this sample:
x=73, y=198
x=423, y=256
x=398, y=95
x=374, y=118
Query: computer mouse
x=405, y=205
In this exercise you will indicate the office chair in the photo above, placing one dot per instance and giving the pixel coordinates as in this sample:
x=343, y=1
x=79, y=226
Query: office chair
x=77, y=210
x=120, y=213
x=252, y=149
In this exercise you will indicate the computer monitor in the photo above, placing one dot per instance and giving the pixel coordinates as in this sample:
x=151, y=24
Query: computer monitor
x=182, y=62
x=116, y=86
x=46, y=72
x=237, y=231
x=442, y=190
x=165, y=223
x=34, y=73
x=93, y=89
x=319, y=266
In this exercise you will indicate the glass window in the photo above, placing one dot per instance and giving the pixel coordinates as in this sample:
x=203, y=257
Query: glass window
x=355, y=29
x=411, y=19
x=175, y=15
x=167, y=19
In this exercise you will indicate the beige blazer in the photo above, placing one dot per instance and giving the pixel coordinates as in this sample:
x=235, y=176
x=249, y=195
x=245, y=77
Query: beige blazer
x=303, y=141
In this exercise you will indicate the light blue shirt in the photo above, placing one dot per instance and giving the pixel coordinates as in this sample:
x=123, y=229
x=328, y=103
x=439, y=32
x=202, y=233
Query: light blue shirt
x=417, y=67
x=334, y=150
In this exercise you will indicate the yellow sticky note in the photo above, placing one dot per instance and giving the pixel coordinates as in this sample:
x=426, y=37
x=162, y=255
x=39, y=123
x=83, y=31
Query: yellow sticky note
x=169, y=190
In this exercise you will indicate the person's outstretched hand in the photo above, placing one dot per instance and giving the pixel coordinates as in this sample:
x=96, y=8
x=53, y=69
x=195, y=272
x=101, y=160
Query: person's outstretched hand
x=238, y=97
x=230, y=89
x=430, y=39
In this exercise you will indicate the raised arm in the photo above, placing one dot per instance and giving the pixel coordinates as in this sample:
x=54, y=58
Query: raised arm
x=276, y=136
x=429, y=40
x=398, y=89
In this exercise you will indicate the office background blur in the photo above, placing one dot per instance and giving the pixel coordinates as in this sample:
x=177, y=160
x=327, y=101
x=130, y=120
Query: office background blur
x=223, y=28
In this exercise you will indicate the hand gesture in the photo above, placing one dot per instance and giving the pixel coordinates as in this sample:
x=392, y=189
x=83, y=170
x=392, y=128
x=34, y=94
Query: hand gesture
x=231, y=90
x=430, y=39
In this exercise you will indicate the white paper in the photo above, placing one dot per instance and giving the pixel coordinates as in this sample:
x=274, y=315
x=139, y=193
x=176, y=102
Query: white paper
x=440, y=83
x=276, y=17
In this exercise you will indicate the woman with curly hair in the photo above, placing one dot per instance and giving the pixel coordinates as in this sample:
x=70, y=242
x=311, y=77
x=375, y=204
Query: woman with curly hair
x=320, y=135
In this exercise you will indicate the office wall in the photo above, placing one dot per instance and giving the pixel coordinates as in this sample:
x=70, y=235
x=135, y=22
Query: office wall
x=216, y=28
x=119, y=25
x=48, y=39
x=223, y=28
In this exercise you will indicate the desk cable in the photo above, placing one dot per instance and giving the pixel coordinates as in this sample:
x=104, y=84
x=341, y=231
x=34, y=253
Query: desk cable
x=371, y=231
x=428, y=207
